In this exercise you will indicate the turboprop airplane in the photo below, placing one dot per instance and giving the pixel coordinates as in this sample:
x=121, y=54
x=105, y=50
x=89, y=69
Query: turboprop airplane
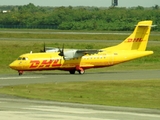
x=73, y=60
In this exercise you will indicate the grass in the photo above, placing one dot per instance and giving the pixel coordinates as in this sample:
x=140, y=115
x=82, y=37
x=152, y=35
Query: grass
x=143, y=94
x=13, y=44
x=64, y=36
x=135, y=93
x=45, y=35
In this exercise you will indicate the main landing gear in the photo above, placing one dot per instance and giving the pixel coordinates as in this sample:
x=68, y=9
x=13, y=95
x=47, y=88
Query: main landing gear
x=79, y=69
x=72, y=71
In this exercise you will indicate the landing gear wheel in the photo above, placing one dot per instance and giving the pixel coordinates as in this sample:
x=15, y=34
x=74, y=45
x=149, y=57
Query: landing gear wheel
x=81, y=71
x=72, y=72
x=20, y=73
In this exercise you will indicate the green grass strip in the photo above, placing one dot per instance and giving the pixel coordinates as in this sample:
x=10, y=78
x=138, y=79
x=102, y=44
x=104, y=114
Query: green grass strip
x=65, y=36
x=135, y=93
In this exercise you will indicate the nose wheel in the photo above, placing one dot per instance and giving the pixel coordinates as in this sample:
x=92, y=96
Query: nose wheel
x=20, y=73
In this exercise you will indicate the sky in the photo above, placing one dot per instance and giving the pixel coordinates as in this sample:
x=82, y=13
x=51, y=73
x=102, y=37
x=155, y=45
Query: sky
x=96, y=3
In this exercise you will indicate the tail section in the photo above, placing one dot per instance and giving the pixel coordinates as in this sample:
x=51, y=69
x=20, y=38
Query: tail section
x=138, y=39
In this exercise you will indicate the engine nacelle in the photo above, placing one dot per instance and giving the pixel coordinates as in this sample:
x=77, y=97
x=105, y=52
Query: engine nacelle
x=70, y=54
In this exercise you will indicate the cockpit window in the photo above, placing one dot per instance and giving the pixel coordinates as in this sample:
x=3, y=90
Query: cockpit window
x=22, y=58
x=26, y=58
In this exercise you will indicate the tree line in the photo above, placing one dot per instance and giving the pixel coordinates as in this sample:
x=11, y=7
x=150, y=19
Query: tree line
x=77, y=18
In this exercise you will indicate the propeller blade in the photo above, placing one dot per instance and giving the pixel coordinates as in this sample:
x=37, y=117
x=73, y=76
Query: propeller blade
x=62, y=52
x=44, y=48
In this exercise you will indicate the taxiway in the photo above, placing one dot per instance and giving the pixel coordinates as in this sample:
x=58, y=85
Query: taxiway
x=17, y=108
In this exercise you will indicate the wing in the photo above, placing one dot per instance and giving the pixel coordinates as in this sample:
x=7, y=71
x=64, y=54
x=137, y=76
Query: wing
x=73, y=53
x=88, y=51
x=51, y=49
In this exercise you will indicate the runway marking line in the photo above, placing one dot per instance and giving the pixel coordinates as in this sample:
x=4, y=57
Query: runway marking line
x=85, y=111
x=24, y=77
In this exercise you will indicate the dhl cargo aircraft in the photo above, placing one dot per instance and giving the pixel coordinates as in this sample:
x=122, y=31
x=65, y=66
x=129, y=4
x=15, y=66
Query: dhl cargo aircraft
x=73, y=60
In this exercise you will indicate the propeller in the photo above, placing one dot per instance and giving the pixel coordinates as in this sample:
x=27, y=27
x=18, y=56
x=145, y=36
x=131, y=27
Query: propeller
x=44, y=48
x=61, y=52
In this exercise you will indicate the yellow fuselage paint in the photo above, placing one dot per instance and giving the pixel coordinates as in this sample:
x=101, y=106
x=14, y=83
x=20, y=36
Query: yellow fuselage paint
x=52, y=61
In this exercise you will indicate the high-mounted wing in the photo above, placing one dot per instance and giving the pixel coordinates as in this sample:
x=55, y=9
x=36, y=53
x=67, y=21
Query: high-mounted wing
x=88, y=51
x=51, y=49
x=73, y=53
x=68, y=54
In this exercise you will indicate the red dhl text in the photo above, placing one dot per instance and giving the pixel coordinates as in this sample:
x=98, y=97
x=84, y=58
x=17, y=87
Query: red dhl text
x=44, y=63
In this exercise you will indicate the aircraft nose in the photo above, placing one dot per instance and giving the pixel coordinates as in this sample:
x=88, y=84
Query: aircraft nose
x=12, y=65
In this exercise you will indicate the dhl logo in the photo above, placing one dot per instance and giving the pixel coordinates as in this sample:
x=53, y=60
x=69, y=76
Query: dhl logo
x=134, y=40
x=44, y=63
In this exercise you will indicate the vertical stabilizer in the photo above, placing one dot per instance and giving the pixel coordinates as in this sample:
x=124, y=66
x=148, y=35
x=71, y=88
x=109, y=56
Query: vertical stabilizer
x=138, y=39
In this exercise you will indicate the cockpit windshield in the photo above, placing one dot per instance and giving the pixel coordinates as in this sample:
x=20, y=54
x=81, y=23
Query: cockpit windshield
x=22, y=58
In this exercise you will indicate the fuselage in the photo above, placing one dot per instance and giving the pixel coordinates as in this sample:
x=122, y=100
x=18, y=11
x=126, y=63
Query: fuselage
x=52, y=61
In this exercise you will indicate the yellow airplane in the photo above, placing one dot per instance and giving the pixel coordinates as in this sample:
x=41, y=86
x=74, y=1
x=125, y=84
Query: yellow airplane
x=73, y=60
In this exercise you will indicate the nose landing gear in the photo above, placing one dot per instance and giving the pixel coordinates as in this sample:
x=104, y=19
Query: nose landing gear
x=20, y=73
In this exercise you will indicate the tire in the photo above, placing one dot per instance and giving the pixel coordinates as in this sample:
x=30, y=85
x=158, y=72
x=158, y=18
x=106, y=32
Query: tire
x=81, y=71
x=72, y=72
x=20, y=73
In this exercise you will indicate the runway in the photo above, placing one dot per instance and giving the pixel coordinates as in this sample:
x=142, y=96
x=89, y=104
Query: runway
x=61, y=76
x=17, y=108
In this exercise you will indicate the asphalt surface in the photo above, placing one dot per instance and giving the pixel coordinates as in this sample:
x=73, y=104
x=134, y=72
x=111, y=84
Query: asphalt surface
x=13, y=108
x=54, y=76
x=23, y=109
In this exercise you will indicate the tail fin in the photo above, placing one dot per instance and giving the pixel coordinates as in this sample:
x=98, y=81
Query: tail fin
x=138, y=39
